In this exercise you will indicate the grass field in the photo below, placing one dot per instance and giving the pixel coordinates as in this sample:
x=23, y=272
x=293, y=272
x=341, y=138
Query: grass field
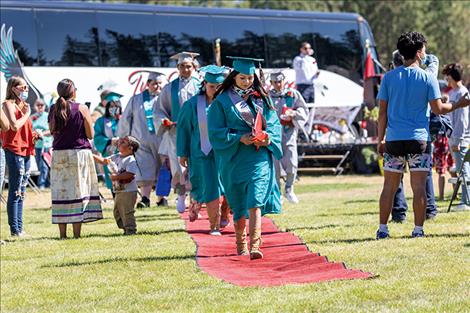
x=155, y=271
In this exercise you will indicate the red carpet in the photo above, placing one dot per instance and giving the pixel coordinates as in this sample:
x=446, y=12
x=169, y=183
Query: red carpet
x=286, y=259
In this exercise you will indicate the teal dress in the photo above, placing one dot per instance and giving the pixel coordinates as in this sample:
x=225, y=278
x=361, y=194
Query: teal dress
x=105, y=130
x=203, y=173
x=247, y=174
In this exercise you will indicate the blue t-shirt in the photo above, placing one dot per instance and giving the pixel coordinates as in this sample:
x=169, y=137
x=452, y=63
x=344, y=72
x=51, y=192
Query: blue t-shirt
x=408, y=91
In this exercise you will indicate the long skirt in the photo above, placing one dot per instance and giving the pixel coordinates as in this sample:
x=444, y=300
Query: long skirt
x=74, y=187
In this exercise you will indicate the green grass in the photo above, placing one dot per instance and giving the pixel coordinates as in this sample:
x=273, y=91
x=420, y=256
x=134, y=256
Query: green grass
x=155, y=271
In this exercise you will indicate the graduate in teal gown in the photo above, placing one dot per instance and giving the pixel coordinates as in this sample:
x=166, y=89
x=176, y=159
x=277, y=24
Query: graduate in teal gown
x=194, y=149
x=245, y=161
x=105, y=138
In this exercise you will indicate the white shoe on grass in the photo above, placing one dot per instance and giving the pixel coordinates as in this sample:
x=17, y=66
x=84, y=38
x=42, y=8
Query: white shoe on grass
x=291, y=197
x=180, y=204
x=461, y=207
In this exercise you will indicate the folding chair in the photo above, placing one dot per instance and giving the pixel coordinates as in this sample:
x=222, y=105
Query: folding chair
x=461, y=179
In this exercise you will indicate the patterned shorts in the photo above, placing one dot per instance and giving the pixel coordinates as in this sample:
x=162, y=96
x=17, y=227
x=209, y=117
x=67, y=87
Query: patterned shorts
x=412, y=152
x=441, y=156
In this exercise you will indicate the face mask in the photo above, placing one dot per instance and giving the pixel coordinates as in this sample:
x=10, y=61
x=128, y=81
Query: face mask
x=23, y=95
x=113, y=111
x=422, y=59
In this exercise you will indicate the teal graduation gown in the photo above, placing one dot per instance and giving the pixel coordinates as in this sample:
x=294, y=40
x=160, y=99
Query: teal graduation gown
x=203, y=173
x=105, y=129
x=247, y=174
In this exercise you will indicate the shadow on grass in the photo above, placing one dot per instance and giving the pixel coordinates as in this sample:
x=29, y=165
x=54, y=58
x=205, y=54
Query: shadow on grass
x=94, y=235
x=156, y=218
x=328, y=187
x=358, y=240
x=120, y=259
x=319, y=227
x=139, y=233
x=360, y=201
x=346, y=214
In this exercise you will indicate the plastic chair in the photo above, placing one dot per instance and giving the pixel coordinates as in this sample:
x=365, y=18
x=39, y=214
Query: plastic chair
x=461, y=179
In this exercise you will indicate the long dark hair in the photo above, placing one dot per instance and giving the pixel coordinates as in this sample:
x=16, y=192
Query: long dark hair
x=229, y=81
x=61, y=109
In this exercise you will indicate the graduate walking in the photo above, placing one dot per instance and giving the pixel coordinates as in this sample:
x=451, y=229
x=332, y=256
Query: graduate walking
x=137, y=120
x=195, y=151
x=169, y=104
x=292, y=113
x=245, y=133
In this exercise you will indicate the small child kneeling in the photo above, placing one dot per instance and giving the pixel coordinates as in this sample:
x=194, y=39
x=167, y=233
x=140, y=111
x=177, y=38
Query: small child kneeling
x=123, y=168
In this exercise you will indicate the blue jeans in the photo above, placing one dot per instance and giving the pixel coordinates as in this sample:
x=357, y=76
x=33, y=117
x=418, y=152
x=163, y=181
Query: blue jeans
x=399, y=202
x=43, y=179
x=459, y=157
x=307, y=91
x=18, y=175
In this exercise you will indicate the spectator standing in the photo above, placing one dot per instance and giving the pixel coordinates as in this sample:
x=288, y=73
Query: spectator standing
x=43, y=143
x=74, y=183
x=306, y=70
x=18, y=143
x=404, y=128
x=460, y=138
x=400, y=205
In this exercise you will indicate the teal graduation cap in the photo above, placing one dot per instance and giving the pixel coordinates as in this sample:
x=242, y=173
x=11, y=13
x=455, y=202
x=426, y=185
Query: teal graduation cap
x=244, y=65
x=214, y=74
x=112, y=96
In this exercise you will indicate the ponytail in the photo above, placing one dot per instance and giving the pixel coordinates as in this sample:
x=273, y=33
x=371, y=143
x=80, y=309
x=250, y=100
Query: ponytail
x=60, y=115
x=61, y=110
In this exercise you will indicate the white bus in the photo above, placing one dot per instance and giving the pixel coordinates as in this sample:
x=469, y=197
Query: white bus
x=103, y=43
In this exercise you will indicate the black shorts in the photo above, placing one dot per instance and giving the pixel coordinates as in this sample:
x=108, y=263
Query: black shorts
x=405, y=147
x=415, y=153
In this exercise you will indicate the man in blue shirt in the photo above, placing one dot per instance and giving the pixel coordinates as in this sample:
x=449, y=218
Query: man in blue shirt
x=404, y=118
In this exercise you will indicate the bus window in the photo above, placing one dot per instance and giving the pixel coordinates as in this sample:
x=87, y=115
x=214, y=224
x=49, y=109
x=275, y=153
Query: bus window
x=67, y=38
x=241, y=36
x=338, y=47
x=24, y=34
x=178, y=33
x=127, y=39
x=283, y=38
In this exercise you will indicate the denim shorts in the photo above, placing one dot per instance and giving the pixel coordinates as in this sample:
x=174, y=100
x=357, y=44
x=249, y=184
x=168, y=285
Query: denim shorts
x=415, y=153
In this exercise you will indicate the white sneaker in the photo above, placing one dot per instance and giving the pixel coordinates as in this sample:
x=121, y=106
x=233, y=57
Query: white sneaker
x=291, y=197
x=461, y=207
x=180, y=204
x=215, y=233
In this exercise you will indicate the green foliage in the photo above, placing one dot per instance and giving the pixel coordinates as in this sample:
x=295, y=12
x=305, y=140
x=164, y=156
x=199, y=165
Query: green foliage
x=372, y=115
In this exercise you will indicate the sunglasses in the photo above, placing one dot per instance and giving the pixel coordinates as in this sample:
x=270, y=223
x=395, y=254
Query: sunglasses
x=24, y=87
